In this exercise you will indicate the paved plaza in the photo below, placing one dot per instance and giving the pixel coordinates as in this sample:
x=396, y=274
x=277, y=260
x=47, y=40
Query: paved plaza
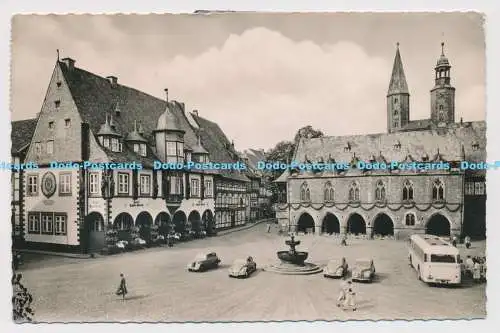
x=160, y=288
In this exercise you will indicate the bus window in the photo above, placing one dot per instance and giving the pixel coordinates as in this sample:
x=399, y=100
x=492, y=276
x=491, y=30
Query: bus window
x=447, y=258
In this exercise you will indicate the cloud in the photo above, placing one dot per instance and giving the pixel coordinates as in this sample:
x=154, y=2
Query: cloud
x=261, y=87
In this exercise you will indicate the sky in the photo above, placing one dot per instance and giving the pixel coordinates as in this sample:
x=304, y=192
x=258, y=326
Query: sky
x=260, y=76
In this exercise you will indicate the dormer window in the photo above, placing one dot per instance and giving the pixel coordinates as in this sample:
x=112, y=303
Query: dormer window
x=57, y=104
x=188, y=157
x=397, y=145
x=475, y=146
x=51, y=125
x=140, y=148
x=67, y=123
x=105, y=142
x=115, y=145
x=58, y=83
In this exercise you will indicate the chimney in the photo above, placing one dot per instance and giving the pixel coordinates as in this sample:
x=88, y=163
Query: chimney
x=112, y=123
x=141, y=129
x=113, y=80
x=70, y=63
x=166, y=94
x=195, y=112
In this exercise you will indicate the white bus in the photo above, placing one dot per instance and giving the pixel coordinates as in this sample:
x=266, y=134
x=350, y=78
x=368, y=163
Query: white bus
x=434, y=259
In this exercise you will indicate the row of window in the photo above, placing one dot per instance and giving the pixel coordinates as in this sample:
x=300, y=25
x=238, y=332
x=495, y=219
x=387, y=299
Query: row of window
x=438, y=191
x=67, y=124
x=123, y=185
x=113, y=144
x=475, y=188
x=47, y=223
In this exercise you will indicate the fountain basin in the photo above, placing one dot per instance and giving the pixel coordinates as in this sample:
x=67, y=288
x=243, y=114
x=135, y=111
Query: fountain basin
x=296, y=258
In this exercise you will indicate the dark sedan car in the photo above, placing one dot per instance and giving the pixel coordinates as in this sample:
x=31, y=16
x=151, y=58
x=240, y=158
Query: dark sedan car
x=204, y=261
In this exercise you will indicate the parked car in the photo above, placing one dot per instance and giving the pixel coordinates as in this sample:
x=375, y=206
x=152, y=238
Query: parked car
x=204, y=261
x=336, y=268
x=242, y=268
x=122, y=245
x=364, y=270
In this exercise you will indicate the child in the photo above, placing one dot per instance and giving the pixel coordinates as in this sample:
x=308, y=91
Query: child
x=122, y=289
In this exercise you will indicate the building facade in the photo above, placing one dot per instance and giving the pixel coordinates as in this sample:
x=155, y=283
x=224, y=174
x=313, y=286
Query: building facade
x=118, y=133
x=22, y=131
x=442, y=201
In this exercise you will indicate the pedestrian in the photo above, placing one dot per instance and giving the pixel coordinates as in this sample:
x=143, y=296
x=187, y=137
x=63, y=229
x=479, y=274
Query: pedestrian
x=454, y=241
x=467, y=242
x=469, y=265
x=122, y=289
x=476, y=272
x=344, y=240
x=344, y=286
x=350, y=298
x=268, y=227
x=483, y=269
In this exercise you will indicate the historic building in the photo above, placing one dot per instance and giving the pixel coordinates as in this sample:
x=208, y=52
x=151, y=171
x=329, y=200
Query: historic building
x=22, y=131
x=86, y=117
x=393, y=202
x=232, y=204
x=260, y=195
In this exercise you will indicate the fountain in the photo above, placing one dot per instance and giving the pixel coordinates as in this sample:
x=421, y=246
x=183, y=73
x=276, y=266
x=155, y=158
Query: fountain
x=293, y=261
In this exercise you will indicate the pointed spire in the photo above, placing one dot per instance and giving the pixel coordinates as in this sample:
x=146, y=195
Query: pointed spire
x=442, y=49
x=57, y=54
x=398, y=83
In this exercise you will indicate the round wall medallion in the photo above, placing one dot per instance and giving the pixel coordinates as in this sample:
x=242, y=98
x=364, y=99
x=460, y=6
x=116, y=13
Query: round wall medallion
x=48, y=184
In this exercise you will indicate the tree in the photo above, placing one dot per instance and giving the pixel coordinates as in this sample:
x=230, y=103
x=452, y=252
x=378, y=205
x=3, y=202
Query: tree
x=284, y=150
x=307, y=132
x=21, y=301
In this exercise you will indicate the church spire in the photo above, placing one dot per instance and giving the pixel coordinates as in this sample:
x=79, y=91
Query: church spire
x=398, y=83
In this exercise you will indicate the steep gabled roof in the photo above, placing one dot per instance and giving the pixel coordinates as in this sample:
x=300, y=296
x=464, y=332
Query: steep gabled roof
x=467, y=140
x=21, y=134
x=218, y=146
x=95, y=96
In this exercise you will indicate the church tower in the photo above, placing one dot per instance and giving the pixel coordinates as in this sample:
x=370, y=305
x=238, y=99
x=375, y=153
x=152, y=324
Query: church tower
x=398, y=97
x=443, y=94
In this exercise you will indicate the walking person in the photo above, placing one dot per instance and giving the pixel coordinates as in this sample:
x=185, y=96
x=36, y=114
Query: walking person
x=469, y=265
x=343, y=242
x=122, y=289
x=476, y=275
x=467, y=242
x=268, y=227
x=344, y=286
x=350, y=298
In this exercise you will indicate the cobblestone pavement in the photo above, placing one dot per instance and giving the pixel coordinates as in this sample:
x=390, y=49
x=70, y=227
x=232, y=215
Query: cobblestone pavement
x=160, y=288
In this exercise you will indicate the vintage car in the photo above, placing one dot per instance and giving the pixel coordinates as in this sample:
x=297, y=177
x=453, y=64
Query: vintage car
x=242, y=268
x=336, y=268
x=204, y=261
x=364, y=270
